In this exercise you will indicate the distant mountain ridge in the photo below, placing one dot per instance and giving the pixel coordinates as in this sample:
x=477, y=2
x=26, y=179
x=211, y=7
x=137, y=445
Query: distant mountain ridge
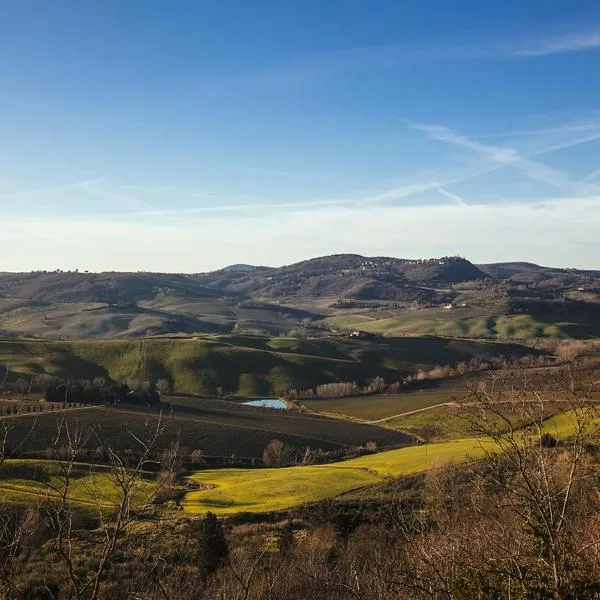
x=349, y=276
x=345, y=275
x=276, y=300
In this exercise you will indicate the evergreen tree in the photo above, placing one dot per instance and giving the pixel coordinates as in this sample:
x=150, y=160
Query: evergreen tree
x=214, y=549
x=285, y=537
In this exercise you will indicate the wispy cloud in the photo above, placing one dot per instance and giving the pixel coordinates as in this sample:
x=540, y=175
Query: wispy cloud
x=51, y=189
x=577, y=127
x=403, y=191
x=564, y=233
x=79, y=192
x=590, y=176
x=435, y=181
x=179, y=191
x=507, y=156
x=454, y=197
x=489, y=158
x=495, y=47
x=561, y=44
x=109, y=193
x=239, y=208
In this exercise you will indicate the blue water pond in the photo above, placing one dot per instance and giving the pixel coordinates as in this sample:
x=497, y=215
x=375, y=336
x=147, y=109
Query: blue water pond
x=267, y=403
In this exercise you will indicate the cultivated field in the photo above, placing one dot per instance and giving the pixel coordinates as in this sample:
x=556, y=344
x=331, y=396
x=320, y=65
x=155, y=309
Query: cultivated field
x=230, y=490
x=430, y=416
x=217, y=428
x=379, y=407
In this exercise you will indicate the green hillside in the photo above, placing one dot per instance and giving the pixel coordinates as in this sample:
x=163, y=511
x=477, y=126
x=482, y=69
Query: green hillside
x=90, y=486
x=462, y=323
x=242, y=365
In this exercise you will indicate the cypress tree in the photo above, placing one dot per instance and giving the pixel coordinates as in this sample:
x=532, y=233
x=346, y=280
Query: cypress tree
x=214, y=550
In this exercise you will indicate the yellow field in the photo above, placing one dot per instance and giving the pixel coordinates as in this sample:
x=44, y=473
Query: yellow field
x=228, y=491
x=264, y=490
x=564, y=425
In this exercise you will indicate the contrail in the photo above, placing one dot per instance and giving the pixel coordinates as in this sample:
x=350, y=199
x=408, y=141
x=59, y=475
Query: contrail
x=457, y=199
x=591, y=176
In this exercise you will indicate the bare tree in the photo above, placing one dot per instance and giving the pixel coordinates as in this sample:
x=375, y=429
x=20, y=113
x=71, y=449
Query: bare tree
x=21, y=385
x=4, y=378
x=274, y=453
x=524, y=517
x=132, y=496
x=14, y=524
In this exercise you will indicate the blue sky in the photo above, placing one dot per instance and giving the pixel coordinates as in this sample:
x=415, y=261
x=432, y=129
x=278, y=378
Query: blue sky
x=187, y=135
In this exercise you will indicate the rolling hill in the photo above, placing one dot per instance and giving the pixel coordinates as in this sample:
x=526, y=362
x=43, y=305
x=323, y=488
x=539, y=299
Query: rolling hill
x=383, y=295
x=242, y=365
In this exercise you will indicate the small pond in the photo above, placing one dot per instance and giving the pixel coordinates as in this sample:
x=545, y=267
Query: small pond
x=267, y=403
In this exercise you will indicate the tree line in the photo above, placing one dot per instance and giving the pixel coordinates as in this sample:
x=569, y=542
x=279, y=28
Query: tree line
x=378, y=385
x=98, y=390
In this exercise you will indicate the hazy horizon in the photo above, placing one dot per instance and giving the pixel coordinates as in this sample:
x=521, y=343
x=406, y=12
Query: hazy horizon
x=275, y=266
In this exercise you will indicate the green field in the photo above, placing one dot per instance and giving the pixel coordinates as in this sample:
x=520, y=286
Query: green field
x=443, y=423
x=26, y=481
x=243, y=365
x=383, y=407
x=462, y=323
x=379, y=406
x=438, y=424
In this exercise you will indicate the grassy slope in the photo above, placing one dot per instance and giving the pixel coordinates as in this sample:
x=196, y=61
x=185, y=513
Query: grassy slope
x=24, y=480
x=369, y=408
x=240, y=490
x=462, y=323
x=243, y=365
x=162, y=315
x=438, y=424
